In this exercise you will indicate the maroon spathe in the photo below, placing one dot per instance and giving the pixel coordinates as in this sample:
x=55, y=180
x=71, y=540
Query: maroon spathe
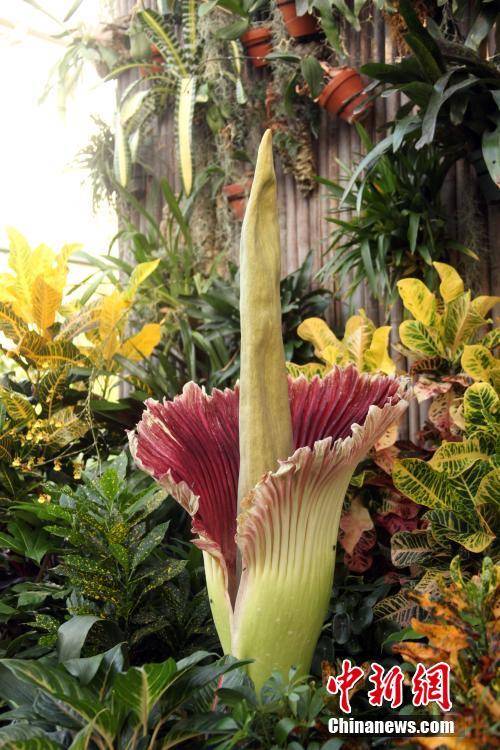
x=193, y=440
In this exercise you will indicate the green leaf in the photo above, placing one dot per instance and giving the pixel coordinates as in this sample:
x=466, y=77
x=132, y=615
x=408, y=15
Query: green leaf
x=491, y=151
x=313, y=75
x=489, y=490
x=141, y=688
x=72, y=635
x=148, y=544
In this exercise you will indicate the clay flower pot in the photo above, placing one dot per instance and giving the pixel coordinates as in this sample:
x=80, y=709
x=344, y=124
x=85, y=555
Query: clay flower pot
x=343, y=94
x=156, y=65
x=299, y=27
x=236, y=194
x=258, y=44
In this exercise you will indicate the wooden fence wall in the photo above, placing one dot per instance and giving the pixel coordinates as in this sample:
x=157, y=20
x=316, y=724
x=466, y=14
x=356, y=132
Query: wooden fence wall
x=303, y=219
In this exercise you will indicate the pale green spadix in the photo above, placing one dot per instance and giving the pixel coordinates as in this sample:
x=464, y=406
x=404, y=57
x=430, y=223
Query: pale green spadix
x=265, y=423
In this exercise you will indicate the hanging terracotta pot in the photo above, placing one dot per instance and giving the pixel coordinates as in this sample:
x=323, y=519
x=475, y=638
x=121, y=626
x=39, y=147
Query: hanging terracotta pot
x=258, y=44
x=299, y=27
x=236, y=194
x=156, y=64
x=343, y=96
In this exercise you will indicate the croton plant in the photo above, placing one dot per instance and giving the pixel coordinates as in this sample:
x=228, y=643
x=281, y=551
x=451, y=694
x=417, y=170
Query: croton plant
x=263, y=468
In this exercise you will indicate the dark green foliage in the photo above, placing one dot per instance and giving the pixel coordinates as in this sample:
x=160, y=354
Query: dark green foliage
x=114, y=562
x=398, y=225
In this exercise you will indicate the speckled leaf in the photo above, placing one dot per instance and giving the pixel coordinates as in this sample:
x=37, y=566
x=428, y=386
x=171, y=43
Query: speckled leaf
x=148, y=544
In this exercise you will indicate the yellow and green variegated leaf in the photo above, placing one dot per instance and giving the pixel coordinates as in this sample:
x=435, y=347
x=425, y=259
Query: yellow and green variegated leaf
x=308, y=371
x=478, y=362
x=492, y=339
x=377, y=357
x=475, y=541
x=142, y=344
x=454, y=321
x=11, y=325
x=48, y=354
x=417, y=337
x=185, y=107
x=410, y=548
x=481, y=406
x=122, y=159
x=319, y=334
x=138, y=276
x=418, y=300
x=421, y=483
x=489, y=490
x=447, y=526
x=483, y=304
x=455, y=458
x=51, y=389
x=466, y=487
x=357, y=342
x=451, y=283
x=19, y=409
x=66, y=427
x=65, y=253
x=46, y=301
x=84, y=321
x=6, y=449
x=398, y=608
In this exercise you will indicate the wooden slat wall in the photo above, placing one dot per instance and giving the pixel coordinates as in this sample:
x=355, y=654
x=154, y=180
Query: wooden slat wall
x=303, y=219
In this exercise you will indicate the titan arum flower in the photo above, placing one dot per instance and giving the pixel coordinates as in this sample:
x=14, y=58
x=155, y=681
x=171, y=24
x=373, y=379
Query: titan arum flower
x=263, y=468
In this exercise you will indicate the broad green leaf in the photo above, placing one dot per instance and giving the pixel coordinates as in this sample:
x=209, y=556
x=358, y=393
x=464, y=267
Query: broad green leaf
x=454, y=458
x=141, y=688
x=72, y=635
x=417, y=337
x=418, y=300
x=451, y=283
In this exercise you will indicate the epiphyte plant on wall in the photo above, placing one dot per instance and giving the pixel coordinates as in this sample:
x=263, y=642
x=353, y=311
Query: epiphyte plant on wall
x=263, y=468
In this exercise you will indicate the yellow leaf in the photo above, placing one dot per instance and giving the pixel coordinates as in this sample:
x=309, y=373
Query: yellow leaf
x=45, y=303
x=352, y=325
x=142, y=344
x=451, y=283
x=138, y=276
x=418, y=300
x=112, y=309
x=319, y=334
x=20, y=262
x=483, y=304
x=377, y=357
x=334, y=355
x=187, y=93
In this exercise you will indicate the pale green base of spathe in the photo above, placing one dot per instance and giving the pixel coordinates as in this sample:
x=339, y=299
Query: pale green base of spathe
x=281, y=606
x=219, y=600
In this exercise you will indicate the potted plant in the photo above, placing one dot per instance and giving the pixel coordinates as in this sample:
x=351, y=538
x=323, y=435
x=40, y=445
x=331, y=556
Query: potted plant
x=255, y=37
x=300, y=25
x=339, y=90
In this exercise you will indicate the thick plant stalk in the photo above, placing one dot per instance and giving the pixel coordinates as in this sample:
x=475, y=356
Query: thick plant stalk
x=265, y=423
